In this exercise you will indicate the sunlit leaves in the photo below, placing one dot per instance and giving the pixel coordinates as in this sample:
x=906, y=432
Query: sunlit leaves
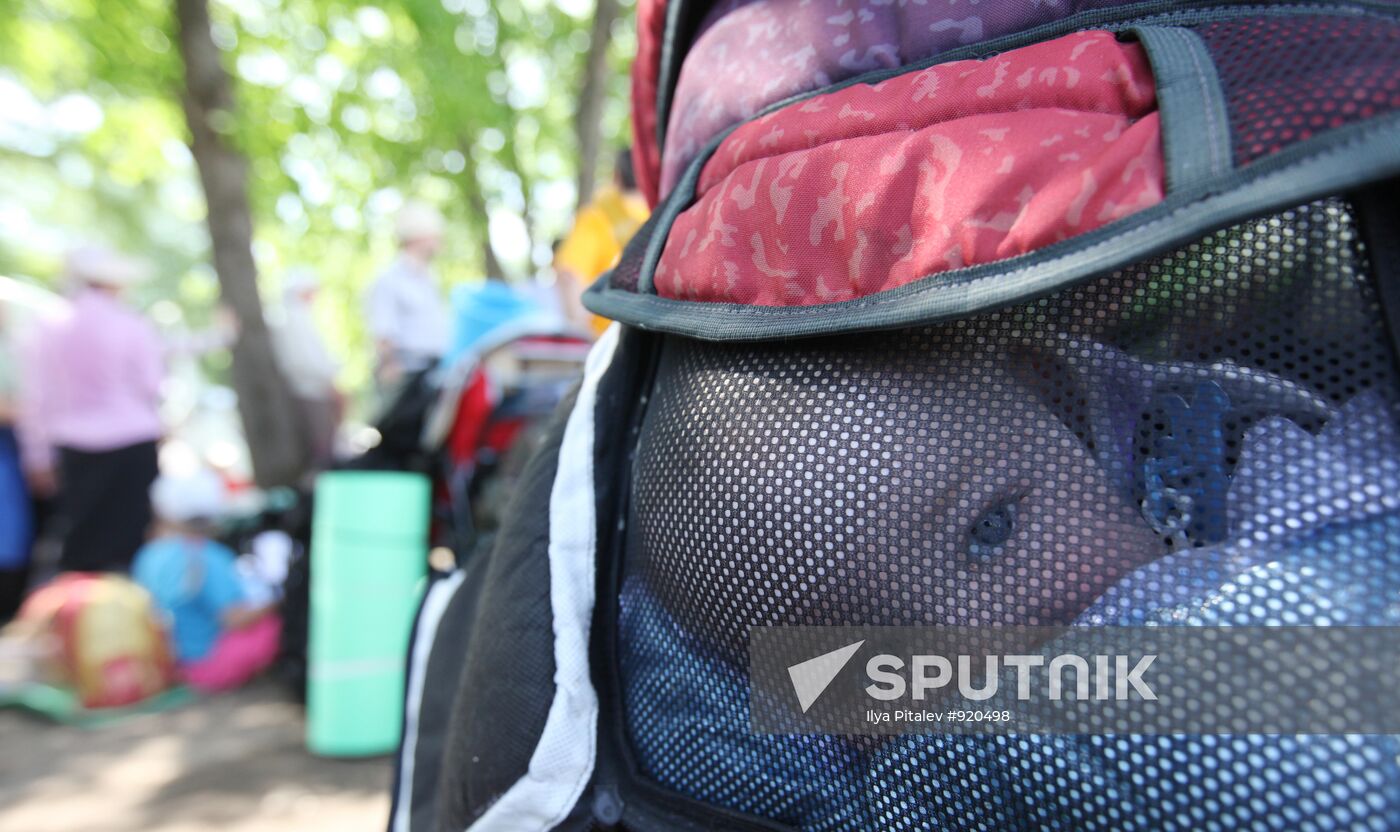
x=344, y=109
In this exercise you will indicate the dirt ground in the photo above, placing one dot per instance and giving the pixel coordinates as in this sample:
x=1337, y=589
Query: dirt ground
x=235, y=762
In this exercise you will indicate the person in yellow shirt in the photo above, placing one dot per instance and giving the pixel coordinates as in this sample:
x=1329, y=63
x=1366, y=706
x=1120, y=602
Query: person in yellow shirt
x=594, y=244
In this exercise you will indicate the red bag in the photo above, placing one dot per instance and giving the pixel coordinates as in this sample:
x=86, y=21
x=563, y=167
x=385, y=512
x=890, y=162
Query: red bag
x=109, y=645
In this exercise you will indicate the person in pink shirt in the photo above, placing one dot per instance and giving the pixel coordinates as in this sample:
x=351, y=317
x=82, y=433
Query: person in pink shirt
x=89, y=414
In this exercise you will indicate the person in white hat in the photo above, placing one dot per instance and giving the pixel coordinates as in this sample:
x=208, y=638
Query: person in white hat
x=89, y=415
x=407, y=315
x=307, y=363
x=223, y=635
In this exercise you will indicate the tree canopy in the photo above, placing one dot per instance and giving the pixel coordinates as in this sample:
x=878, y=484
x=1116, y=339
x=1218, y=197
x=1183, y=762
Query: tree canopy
x=343, y=110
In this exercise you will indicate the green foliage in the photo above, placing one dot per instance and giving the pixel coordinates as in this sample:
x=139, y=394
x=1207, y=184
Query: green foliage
x=343, y=109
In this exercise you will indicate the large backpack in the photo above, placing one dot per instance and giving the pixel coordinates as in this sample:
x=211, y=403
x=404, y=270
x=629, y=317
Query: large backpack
x=1060, y=313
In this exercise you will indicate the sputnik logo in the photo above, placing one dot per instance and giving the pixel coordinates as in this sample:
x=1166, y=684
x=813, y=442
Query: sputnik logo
x=812, y=677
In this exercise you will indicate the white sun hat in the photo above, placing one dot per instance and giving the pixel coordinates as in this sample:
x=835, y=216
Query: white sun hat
x=187, y=497
x=97, y=265
x=299, y=279
x=417, y=221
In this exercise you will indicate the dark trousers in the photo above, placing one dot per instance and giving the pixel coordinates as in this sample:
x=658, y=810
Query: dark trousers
x=16, y=527
x=12, y=585
x=104, y=506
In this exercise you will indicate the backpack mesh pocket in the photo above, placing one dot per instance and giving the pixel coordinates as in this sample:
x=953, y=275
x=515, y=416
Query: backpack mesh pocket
x=1289, y=78
x=1207, y=437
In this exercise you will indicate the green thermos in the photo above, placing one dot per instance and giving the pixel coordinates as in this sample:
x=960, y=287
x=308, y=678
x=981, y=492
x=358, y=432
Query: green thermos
x=369, y=556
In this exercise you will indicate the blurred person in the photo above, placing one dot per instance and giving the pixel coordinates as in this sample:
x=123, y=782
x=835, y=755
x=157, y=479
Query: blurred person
x=222, y=638
x=543, y=287
x=15, y=517
x=594, y=244
x=407, y=315
x=89, y=414
x=308, y=365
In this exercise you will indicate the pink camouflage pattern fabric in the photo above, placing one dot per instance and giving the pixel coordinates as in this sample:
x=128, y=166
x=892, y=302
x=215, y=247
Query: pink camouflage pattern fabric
x=872, y=187
x=773, y=49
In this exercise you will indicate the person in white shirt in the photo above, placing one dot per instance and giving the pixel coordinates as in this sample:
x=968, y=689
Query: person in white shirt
x=407, y=314
x=308, y=365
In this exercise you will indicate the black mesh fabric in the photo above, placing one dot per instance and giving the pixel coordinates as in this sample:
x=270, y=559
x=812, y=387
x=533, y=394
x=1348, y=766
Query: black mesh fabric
x=628, y=272
x=1289, y=78
x=1206, y=438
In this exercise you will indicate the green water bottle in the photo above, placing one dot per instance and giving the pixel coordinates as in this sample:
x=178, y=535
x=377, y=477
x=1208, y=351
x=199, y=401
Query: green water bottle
x=369, y=556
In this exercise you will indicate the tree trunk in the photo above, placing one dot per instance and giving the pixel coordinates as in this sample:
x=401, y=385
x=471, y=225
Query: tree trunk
x=588, y=121
x=271, y=418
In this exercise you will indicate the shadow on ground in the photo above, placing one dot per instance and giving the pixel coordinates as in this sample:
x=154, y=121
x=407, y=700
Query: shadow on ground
x=235, y=762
